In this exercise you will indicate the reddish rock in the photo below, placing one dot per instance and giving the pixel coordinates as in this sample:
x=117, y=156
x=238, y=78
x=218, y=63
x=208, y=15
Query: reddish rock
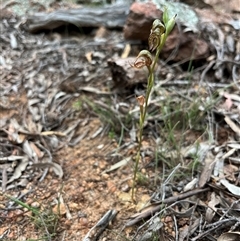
x=139, y=20
x=187, y=45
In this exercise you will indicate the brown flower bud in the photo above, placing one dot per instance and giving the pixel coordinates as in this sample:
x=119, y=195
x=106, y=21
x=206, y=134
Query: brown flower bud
x=141, y=100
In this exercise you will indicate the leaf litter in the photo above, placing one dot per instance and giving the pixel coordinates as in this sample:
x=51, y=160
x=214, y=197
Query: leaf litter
x=40, y=82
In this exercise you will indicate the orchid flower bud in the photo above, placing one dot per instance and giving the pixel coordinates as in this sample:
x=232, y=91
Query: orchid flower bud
x=144, y=58
x=165, y=16
x=141, y=100
x=157, y=30
x=170, y=24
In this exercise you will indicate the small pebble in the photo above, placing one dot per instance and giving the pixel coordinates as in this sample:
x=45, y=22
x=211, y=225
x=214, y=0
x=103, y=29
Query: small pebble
x=35, y=205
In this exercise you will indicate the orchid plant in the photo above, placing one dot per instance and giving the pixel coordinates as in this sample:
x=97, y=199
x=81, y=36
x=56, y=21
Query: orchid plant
x=157, y=38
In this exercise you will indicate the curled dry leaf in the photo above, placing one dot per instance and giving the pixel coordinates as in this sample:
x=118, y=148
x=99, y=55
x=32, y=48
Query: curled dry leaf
x=232, y=125
x=13, y=134
x=184, y=213
x=188, y=229
x=230, y=172
x=102, y=224
x=228, y=154
x=27, y=148
x=207, y=170
x=190, y=185
x=22, y=183
x=154, y=226
x=219, y=164
x=54, y=166
x=234, y=145
x=230, y=236
x=38, y=152
x=211, y=210
x=19, y=169
x=231, y=187
x=201, y=150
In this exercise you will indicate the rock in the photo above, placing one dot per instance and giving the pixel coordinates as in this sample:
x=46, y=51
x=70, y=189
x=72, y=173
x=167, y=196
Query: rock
x=124, y=75
x=139, y=20
x=188, y=45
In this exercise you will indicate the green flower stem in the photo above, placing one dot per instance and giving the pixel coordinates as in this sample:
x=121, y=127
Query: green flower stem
x=143, y=111
x=157, y=39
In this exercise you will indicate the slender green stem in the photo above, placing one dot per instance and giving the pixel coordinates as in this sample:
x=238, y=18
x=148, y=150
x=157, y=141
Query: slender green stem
x=143, y=109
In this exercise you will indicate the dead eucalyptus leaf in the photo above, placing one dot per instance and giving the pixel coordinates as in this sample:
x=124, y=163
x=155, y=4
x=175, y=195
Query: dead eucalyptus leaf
x=118, y=165
x=19, y=169
x=97, y=132
x=190, y=185
x=30, y=151
x=53, y=142
x=200, y=150
x=72, y=127
x=49, y=133
x=14, y=124
x=231, y=96
x=3, y=121
x=53, y=165
x=32, y=126
x=11, y=158
x=228, y=154
x=185, y=213
x=234, y=145
x=235, y=160
x=230, y=171
x=207, y=170
x=154, y=226
x=94, y=90
x=22, y=183
x=13, y=41
x=232, y=125
x=13, y=132
x=188, y=229
x=219, y=163
x=231, y=187
x=231, y=236
x=211, y=210
x=38, y=152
